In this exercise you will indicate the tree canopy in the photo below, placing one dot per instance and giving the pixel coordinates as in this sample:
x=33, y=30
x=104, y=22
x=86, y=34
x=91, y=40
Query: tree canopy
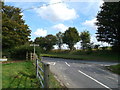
x=71, y=37
x=85, y=39
x=46, y=42
x=14, y=30
x=109, y=23
x=59, y=37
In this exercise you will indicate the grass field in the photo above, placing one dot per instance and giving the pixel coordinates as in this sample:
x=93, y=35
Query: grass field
x=22, y=75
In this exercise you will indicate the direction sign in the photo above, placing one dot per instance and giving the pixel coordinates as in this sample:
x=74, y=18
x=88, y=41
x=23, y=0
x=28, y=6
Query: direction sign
x=34, y=47
x=34, y=44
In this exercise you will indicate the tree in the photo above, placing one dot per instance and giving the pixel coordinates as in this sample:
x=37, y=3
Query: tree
x=85, y=39
x=14, y=30
x=46, y=42
x=59, y=37
x=96, y=47
x=71, y=37
x=41, y=41
x=109, y=23
x=50, y=41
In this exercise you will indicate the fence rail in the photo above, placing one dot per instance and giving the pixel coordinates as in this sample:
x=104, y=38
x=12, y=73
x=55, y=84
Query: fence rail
x=42, y=73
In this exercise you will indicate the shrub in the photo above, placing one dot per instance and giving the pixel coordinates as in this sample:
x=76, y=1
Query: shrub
x=20, y=51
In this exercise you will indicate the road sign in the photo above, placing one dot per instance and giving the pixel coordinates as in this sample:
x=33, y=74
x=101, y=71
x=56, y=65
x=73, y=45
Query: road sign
x=34, y=47
x=34, y=44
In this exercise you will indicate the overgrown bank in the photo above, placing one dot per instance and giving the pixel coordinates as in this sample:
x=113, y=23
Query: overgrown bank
x=99, y=55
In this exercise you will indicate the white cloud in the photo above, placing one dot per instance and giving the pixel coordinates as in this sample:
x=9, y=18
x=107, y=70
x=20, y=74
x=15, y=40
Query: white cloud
x=77, y=45
x=57, y=12
x=40, y=32
x=90, y=23
x=94, y=39
x=64, y=46
x=60, y=27
x=21, y=14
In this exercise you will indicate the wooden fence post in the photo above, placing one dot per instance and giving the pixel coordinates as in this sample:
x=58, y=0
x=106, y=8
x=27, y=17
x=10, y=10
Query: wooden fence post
x=46, y=75
x=26, y=55
x=30, y=56
x=36, y=68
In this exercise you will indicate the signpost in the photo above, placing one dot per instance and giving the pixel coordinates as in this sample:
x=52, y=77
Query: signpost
x=34, y=47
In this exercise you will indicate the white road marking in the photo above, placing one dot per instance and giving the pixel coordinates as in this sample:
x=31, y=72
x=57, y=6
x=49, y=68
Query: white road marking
x=90, y=65
x=112, y=78
x=54, y=63
x=68, y=84
x=64, y=76
x=95, y=80
x=67, y=64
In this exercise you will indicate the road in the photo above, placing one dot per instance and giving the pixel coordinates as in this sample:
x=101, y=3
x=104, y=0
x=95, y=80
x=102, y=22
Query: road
x=83, y=74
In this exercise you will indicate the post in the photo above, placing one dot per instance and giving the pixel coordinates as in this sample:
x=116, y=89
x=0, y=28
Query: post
x=36, y=68
x=26, y=55
x=34, y=52
x=30, y=56
x=34, y=45
x=46, y=75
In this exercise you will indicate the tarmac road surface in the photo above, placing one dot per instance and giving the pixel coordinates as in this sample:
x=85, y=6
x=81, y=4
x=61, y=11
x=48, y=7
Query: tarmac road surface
x=84, y=74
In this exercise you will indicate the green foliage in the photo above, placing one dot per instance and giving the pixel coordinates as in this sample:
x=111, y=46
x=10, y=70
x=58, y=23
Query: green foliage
x=40, y=41
x=20, y=51
x=14, y=30
x=115, y=68
x=85, y=40
x=46, y=42
x=96, y=47
x=98, y=55
x=71, y=37
x=109, y=24
x=19, y=75
x=50, y=41
x=59, y=37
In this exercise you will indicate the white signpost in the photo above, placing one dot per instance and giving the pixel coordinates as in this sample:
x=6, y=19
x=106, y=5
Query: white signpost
x=34, y=47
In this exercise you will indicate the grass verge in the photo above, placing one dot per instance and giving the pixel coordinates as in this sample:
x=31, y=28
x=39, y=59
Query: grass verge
x=53, y=82
x=22, y=75
x=114, y=68
x=82, y=57
x=19, y=75
x=98, y=55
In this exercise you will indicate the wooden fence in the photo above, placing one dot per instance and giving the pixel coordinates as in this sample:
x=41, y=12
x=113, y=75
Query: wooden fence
x=42, y=69
x=42, y=73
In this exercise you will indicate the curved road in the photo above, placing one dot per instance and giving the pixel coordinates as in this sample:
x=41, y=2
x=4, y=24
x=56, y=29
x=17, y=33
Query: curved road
x=83, y=74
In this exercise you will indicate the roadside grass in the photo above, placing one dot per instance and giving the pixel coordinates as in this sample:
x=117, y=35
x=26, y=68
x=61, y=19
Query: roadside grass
x=22, y=75
x=83, y=55
x=53, y=82
x=114, y=68
x=19, y=75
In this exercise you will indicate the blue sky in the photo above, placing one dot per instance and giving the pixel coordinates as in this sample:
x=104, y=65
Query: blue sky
x=52, y=18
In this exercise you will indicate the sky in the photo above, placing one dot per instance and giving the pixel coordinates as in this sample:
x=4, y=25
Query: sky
x=52, y=16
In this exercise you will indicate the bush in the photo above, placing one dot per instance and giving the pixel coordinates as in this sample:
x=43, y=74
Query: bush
x=20, y=51
x=104, y=48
